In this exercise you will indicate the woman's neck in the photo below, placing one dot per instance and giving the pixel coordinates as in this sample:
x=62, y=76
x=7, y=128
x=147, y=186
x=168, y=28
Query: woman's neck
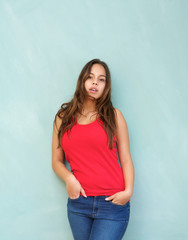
x=89, y=107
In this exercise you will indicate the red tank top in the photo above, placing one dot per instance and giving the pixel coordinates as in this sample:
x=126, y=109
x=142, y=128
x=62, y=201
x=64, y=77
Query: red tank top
x=93, y=164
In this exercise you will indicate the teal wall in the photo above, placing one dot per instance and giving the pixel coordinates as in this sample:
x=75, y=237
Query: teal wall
x=43, y=46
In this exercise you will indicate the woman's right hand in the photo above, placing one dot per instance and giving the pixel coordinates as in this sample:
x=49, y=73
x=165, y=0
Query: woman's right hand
x=74, y=188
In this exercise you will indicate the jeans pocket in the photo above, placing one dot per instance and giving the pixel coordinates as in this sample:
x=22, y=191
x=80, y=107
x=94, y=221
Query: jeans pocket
x=74, y=199
x=119, y=204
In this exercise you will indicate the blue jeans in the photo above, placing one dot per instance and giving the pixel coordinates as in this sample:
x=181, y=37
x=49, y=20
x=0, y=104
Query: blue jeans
x=94, y=218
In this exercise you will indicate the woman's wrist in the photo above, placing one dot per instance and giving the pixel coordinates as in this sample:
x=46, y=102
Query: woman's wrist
x=68, y=177
x=129, y=192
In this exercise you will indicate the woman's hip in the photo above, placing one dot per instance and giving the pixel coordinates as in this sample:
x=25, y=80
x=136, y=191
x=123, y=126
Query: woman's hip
x=97, y=207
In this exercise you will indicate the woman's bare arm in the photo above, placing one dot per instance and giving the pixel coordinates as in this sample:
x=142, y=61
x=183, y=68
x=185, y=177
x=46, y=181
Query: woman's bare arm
x=124, y=152
x=58, y=155
x=123, y=147
x=73, y=186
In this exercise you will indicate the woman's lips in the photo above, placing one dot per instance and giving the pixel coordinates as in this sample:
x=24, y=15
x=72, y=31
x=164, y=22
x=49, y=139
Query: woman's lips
x=93, y=91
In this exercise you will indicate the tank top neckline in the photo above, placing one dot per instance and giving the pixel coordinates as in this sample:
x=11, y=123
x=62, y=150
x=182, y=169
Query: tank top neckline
x=88, y=124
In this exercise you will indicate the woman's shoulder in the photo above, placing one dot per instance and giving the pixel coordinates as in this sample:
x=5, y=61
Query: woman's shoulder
x=117, y=110
x=58, y=119
x=118, y=113
x=119, y=116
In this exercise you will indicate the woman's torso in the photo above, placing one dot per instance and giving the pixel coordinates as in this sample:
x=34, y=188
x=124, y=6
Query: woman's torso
x=94, y=165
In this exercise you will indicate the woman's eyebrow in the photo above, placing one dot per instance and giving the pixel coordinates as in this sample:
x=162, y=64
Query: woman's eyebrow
x=99, y=75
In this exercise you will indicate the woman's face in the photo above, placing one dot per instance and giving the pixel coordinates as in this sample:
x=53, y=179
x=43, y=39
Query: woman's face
x=96, y=81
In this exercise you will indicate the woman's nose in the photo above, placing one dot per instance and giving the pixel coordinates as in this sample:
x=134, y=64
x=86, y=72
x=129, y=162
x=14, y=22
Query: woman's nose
x=95, y=80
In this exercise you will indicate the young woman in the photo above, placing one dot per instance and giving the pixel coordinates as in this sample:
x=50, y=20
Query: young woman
x=89, y=132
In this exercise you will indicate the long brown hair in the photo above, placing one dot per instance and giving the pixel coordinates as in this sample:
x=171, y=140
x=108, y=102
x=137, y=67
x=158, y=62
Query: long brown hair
x=104, y=107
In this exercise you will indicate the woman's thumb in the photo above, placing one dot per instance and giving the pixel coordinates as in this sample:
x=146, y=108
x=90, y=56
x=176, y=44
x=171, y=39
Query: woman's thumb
x=83, y=192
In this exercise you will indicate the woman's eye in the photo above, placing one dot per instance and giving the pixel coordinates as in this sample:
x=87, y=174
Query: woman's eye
x=89, y=76
x=102, y=80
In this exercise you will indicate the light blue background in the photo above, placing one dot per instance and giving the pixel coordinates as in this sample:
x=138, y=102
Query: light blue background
x=43, y=46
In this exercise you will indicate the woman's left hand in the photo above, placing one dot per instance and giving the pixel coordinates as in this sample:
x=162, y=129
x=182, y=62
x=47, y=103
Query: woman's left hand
x=120, y=198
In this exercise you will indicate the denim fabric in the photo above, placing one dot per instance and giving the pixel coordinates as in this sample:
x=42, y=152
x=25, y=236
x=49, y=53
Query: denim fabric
x=94, y=218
